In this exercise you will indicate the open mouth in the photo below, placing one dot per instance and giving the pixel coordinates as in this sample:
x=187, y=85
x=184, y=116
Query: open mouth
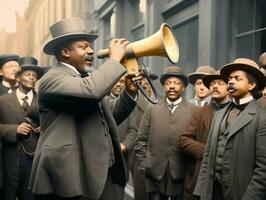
x=231, y=89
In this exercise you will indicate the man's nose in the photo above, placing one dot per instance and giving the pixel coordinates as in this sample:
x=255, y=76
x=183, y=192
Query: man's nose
x=89, y=50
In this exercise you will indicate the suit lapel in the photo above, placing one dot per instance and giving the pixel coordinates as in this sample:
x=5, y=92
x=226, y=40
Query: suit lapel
x=16, y=107
x=215, y=127
x=244, y=118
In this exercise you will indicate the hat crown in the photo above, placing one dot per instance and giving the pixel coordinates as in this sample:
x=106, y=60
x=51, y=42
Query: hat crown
x=205, y=70
x=8, y=57
x=72, y=25
x=173, y=70
x=246, y=61
x=28, y=61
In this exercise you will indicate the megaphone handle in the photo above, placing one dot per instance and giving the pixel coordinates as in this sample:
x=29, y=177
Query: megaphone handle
x=131, y=64
x=154, y=100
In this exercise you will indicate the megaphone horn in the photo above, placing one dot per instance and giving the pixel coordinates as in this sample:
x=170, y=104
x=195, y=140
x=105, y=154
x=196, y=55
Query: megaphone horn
x=162, y=43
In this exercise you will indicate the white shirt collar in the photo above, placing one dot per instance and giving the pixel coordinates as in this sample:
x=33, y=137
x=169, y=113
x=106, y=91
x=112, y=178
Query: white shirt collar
x=71, y=67
x=243, y=100
x=7, y=84
x=175, y=103
x=21, y=95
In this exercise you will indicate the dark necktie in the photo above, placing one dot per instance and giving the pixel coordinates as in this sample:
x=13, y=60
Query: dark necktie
x=25, y=104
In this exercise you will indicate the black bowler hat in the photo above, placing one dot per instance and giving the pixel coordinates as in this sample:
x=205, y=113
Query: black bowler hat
x=174, y=71
x=30, y=63
x=207, y=79
x=8, y=57
x=67, y=30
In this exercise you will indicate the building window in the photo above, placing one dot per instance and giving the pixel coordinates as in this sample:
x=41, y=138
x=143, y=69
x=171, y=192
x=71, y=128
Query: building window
x=250, y=28
x=109, y=27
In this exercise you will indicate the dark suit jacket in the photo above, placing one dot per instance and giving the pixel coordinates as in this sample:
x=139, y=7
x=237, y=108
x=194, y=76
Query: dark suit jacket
x=11, y=115
x=244, y=160
x=3, y=91
x=72, y=156
x=156, y=143
x=262, y=102
x=192, y=141
x=127, y=132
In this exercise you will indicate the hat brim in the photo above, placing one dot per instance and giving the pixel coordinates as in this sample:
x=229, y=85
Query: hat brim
x=168, y=75
x=50, y=46
x=193, y=77
x=226, y=70
x=207, y=79
x=37, y=69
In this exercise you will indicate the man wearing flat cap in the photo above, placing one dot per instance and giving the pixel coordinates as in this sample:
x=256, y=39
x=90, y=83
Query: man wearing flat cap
x=78, y=154
x=15, y=130
x=262, y=63
x=194, y=137
x=234, y=161
x=156, y=147
x=202, y=97
x=8, y=68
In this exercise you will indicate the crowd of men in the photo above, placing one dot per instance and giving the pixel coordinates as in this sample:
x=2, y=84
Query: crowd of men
x=80, y=132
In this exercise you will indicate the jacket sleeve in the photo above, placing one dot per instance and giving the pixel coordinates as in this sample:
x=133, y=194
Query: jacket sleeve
x=142, y=139
x=187, y=140
x=256, y=189
x=75, y=92
x=8, y=132
x=130, y=138
x=204, y=165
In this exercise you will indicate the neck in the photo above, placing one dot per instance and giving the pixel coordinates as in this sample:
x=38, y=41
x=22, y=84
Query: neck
x=24, y=90
x=222, y=100
x=238, y=98
x=12, y=83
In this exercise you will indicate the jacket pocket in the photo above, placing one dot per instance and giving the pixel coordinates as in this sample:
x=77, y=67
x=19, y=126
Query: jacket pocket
x=63, y=165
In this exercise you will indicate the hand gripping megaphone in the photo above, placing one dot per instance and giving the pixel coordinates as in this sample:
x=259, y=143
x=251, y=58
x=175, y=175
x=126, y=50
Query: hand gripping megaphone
x=162, y=43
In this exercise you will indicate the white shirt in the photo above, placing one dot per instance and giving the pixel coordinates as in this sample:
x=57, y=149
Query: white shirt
x=21, y=95
x=174, y=103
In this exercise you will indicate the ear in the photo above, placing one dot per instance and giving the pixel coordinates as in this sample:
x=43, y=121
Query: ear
x=18, y=78
x=1, y=73
x=251, y=86
x=65, y=53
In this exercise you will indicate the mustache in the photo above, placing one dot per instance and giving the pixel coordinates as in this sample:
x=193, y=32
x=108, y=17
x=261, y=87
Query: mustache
x=171, y=91
x=88, y=57
x=230, y=88
x=215, y=91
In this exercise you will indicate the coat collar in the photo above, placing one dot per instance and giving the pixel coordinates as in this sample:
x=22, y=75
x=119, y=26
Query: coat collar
x=64, y=68
x=244, y=118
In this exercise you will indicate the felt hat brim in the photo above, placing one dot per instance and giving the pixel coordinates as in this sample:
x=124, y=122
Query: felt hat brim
x=51, y=45
x=168, y=75
x=226, y=70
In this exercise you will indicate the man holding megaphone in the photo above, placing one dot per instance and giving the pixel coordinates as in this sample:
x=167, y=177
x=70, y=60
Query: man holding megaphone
x=78, y=154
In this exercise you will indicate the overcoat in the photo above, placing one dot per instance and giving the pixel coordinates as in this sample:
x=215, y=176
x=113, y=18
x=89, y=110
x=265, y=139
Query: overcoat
x=244, y=161
x=73, y=152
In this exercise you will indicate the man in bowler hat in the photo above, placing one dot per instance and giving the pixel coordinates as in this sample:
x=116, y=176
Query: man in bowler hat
x=202, y=97
x=234, y=161
x=15, y=130
x=9, y=66
x=156, y=148
x=194, y=137
x=78, y=154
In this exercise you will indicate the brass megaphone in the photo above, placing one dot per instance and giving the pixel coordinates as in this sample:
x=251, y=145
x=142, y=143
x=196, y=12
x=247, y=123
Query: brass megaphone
x=162, y=43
